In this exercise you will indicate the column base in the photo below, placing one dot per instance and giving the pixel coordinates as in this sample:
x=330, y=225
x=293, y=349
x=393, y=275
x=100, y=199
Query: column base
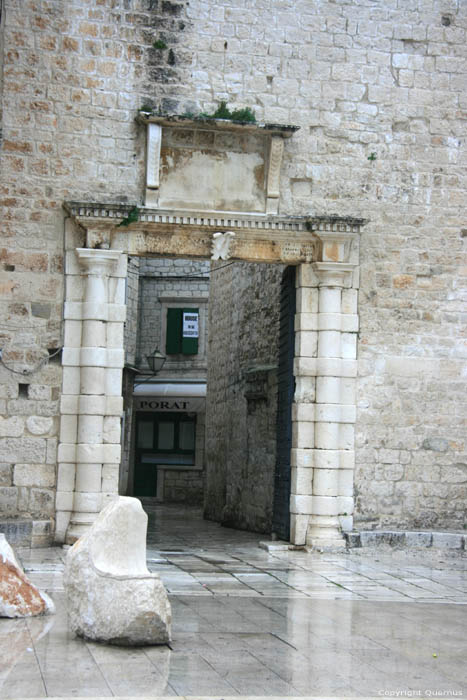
x=324, y=533
x=79, y=525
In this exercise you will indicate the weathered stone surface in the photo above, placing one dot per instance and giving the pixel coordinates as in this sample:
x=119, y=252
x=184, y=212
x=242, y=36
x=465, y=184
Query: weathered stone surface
x=18, y=596
x=112, y=597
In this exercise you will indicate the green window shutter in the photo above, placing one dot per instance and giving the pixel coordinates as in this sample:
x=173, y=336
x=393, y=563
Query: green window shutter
x=190, y=342
x=173, y=343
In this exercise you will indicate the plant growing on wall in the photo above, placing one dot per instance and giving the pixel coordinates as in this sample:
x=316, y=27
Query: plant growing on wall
x=223, y=112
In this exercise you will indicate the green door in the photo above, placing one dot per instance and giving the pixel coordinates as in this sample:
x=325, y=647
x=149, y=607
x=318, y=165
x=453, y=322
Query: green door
x=161, y=439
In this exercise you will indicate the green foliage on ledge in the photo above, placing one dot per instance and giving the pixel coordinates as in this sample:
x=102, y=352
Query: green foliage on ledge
x=238, y=115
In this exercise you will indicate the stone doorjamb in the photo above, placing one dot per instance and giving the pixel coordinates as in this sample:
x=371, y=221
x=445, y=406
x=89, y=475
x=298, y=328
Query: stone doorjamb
x=326, y=252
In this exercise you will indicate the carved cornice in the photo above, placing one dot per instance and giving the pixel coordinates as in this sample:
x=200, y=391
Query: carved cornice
x=176, y=120
x=262, y=238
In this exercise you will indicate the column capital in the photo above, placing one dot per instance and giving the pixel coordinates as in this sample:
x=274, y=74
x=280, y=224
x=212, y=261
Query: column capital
x=334, y=274
x=336, y=245
x=97, y=261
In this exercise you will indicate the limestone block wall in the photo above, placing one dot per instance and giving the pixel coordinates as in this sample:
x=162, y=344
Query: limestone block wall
x=162, y=283
x=72, y=76
x=379, y=91
x=241, y=403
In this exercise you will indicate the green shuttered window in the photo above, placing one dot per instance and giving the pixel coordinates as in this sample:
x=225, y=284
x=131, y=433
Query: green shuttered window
x=182, y=331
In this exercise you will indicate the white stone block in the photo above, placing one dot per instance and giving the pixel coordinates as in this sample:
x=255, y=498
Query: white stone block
x=66, y=477
x=334, y=459
x=117, y=290
x=335, y=413
x=116, y=313
x=349, y=304
x=11, y=427
x=71, y=380
x=303, y=435
x=93, y=357
x=75, y=285
x=90, y=429
x=329, y=344
x=349, y=323
x=347, y=437
x=306, y=276
x=301, y=481
x=51, y=452
x=111, y=595
x=330, y=322
x=94, y=310
x=113, y=382
x=325, y=367
x=64, y=500
x=302, y=458
x=68, y=404
x=92, y=405
x=62, y=520
x=301, y=504
x=40, y=425
x=111, y=429
x=306, y=322
x=92, y=380
x=88, y=454
x=114, y=405
x=94, y=334
x=346, y=522
x=327, y=436
x=66, y=452
x=110, y=477
x=346, y=486
x=121, y=268
x=303, y=412
x=346, y=505
x=325, y=505
x=298, y=528
x=71, y=357
x=115, y=337
x=304, y=389
x=328, y=390
x=349, y=346
x=329, y=300
x=72, y=334
x=307, y=300
x=87, y=502
x=88, y=478
x=72, y=266
x=73, y=310
x=306, y=343
x=68, y=429
x=325, y=482
x=111, y=453
x=115, y=358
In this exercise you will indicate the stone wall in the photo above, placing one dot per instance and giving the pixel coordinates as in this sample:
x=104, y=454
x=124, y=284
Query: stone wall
x=73, y=76
x=241, y=403
x=162, y=284
x=379, y=91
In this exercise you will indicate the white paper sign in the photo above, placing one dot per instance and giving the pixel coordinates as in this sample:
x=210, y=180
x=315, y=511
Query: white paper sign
x=190, y=324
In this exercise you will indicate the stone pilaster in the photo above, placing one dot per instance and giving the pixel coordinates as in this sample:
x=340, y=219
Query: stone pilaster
x=89, y=450
x=324, y=409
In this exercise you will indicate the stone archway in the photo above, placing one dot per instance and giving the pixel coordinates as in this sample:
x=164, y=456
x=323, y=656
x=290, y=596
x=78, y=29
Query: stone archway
x=325, y=251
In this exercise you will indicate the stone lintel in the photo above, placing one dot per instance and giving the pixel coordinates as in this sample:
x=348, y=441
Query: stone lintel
x=258, y=238
x=202, y=123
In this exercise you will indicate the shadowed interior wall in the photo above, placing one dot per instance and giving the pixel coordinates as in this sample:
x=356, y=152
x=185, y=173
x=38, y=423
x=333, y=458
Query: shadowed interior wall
x=242, y=394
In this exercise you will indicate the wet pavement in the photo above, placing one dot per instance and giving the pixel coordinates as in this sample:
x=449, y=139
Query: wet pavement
x=248, y=622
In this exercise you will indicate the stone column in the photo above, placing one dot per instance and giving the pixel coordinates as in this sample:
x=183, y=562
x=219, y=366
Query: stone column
x=93, y=357
x=324, y=410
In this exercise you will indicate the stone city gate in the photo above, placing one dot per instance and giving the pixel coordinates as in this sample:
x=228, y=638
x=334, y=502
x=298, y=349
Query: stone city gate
x=326, y=253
